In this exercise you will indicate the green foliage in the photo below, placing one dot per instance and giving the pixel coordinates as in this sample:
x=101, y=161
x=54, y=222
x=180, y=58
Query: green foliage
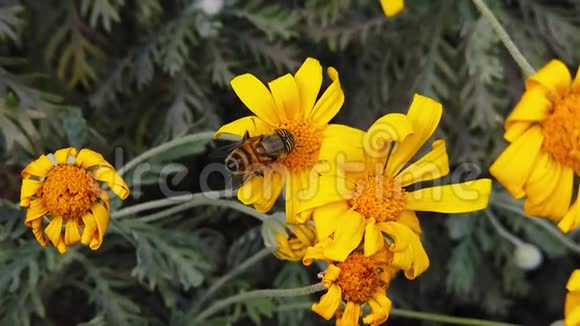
x=10, y=22
x=17, y=125
x=72, y=51
x=102, y=12
x=293, y=275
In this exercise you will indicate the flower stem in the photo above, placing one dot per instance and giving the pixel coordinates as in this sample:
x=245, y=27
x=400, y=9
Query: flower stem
x=265, y=252
x=565, y=241
x=516, y=54
x=164, y=202
x=319, y=287
x=270, y=293
x=445, y=319
x=502, y=231
x=165, y=147
x=183, y=202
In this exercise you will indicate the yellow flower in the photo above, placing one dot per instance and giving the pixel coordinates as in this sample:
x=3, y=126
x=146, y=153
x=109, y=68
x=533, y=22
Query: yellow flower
x=392, y=7
x=356, y=281
x=544, y=152
x=572, y=307
x=292, y=244
x=64, y=189
x=290, y=103
x=369, y=197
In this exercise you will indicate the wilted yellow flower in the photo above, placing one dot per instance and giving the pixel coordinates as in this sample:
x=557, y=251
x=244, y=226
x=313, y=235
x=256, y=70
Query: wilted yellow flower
x=544, y=152
x=292, y=243
x=291, y=104
x=572, y=307
x=64, y=189
x=392, y=7
x=367, y=197
x=357, y=281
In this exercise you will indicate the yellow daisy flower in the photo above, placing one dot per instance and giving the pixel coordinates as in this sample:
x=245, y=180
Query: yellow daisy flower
x=290, y=103
x=544, y=152
x=359, y=280
x=572, y=306
x=64, y=189
x=392, y=7
x=369, y=197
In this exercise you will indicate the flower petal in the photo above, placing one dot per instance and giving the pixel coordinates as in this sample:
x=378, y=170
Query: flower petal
x=347, y=236
x=329, y=103
x=409, y=254
x=324, y=190
x=329, y=302
x=297, y=191
x=101, y=214
x=554, y=77
x=572, y=305
x=463, y=197
x=251, y=190
x=330, y=275
x=392, y=7
x=510, y=169
x=326, y=218
x=341, y=143
x=252, y=124
x=54, y=229
x=286, y=97
x=516, y=129
x=392, y=127
x=380, y=306
x=114, y=181
x=373, y=238
x=38, y=168
x=88, y=158
x=350, y=315
x=315, y=252
x=286, y=249
x=431, y=166
x=63, y=154
x=29, y=188
x=309, y=80
x=424, y=114
x=35, y=211
x=572, y=219
x=256, y=97
x=573, y=284
x=409, y=218
x=549, y=189
x=71, y=232
x=532, y=107
x=272, y=187
x=36, y=226
x=572, y=309
x=90, y=227
x=576, y=82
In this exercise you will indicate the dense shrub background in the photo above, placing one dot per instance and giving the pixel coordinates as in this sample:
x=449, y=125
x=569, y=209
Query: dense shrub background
x=122, y=76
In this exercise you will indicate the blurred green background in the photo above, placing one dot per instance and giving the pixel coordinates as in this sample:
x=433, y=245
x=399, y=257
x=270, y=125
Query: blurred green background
x=123, y=76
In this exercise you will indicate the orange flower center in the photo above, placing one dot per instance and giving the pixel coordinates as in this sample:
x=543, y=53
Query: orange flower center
x=307, y=141
x=69, y=191
x=379, y=197
x=359, y=278
x=561, y=129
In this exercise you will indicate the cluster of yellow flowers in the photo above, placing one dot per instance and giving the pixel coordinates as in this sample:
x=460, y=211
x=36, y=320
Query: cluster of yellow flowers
x=347, y=190
x=348, y=193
